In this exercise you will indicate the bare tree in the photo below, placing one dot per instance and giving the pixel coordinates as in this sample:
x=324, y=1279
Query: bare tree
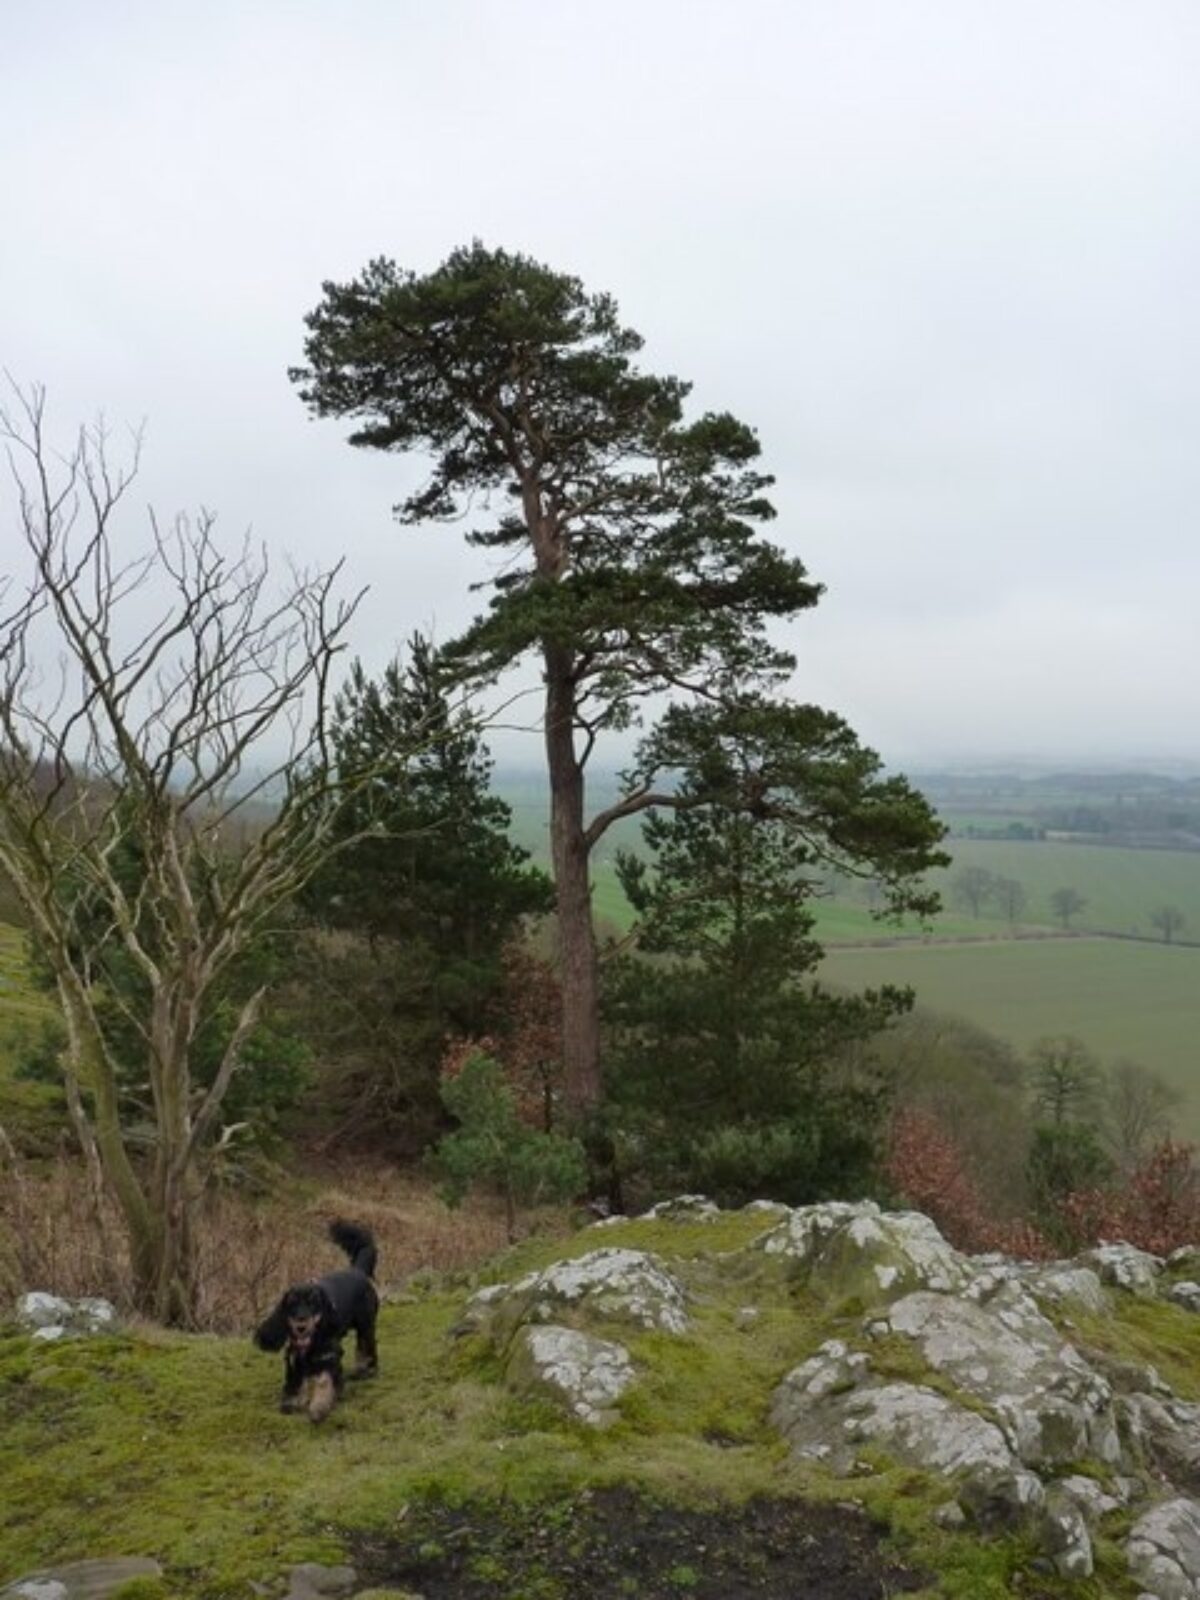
x=1169, y=921
x=1141, y=1108
x=185, y=690
x=1011, y=897
x=972, y=887
x=1067, y=903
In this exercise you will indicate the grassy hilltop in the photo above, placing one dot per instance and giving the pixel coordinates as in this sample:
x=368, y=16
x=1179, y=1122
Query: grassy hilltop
x=435, y=1478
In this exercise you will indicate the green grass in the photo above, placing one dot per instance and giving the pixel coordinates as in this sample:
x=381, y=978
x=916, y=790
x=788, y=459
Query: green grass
x=1122, y=887
x=1121, y=999
x=31, y=1113
x=170, y=1445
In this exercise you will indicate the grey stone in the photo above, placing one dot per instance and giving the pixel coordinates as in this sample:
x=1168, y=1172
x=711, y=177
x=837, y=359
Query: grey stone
x=1165, y=1432
x=859, y=1250
x=584, y=1374
x=829, y=1407
x=1163, y=1550
x=951, y=1516
x=747, y=1317
x=81, y=1580
x=1053, y=1406
x=50, y=1317
x=997, y=1498
x=1185, y=1294
x=683, y=1208
x=608, y=1285
x=1065, y=1538
x=37, y=1309
x=1062, y=1283
x=1126, y=1267
x=1089, y=1497
x=1185, y=1259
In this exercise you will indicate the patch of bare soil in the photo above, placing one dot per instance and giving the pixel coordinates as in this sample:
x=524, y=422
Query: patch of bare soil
x=615, y=1544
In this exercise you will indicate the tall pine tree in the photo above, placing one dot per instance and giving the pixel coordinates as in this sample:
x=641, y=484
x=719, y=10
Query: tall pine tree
x=634, y=563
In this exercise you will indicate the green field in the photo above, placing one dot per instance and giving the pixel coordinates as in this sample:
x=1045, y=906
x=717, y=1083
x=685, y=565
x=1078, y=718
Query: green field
x=1141, y=1001
x=1122, y=886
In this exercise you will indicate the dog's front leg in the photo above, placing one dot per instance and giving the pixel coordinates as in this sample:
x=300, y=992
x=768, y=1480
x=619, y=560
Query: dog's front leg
x=292, y=1398
x=322, y=1396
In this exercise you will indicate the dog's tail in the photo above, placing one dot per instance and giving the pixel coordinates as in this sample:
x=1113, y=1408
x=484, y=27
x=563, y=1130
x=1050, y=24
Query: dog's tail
x=358, y=1243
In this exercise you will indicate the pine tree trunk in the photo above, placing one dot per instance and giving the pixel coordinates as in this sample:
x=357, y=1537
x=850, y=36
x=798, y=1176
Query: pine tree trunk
x=569, y=853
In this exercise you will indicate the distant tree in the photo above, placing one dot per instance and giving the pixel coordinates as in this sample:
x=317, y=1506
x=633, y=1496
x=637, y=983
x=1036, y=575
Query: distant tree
x=633, y=560
x=1067, y=903
x=1012, y=899
x=1139, y=1111
x=1065, y=1159
x=1155, y=1207
x=932, y=1171
x=1169, y=921
x=972, y=888
x=1065, y=1079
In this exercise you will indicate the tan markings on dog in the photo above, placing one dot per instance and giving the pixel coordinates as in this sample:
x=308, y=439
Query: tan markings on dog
x=321, y=1397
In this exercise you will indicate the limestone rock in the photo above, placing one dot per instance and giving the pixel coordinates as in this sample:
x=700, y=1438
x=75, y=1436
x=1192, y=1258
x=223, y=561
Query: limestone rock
x=50, y=1317
x=1091, y=1499
x=1164, y=1432
x=584, y=1374
x=683, y=1208
x=997, y=1498
x=1185, y=1294
x=1065, y=1537
x=1053, y=1406
x=1164, y=1550
x=1063, y=1283
x=81, y=1580
x=859, y=1250
x=828, y=1408
x=1126, y=1267
x=608, y=1285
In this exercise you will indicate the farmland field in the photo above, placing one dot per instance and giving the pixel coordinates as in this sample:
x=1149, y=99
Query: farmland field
x=1122, y=999
x=1122, y=886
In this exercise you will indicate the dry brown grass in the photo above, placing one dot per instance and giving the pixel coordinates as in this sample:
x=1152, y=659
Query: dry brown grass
x=249, y=1249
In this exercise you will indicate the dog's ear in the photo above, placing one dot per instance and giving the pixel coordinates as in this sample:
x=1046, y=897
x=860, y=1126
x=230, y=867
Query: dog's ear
x=272, y=1334
x=324, y=1305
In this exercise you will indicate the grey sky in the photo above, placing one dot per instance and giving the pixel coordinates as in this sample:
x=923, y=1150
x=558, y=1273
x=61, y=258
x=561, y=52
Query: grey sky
x=944, y=256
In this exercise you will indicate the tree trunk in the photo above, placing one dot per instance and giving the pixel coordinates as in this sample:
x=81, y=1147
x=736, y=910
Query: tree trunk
x=569, y=853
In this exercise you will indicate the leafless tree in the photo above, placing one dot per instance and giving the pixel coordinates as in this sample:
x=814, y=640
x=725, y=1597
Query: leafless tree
x=1169, y=921
x=145, y=704
x=1141, y=1108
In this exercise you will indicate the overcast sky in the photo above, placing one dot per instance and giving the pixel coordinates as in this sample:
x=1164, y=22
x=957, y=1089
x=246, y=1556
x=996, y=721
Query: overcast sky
x=944, y=256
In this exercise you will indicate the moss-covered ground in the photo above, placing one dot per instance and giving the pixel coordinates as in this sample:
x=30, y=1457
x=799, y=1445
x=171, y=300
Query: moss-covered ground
x=170, y=1445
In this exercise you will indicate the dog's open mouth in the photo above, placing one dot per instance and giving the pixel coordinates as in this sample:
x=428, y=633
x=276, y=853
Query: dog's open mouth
x=300, y=1335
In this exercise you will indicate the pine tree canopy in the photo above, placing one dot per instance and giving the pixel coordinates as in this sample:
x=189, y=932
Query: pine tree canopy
x=633, y=532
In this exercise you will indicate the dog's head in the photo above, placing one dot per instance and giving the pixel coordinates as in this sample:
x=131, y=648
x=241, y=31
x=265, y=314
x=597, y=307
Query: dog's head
x=307, y=1309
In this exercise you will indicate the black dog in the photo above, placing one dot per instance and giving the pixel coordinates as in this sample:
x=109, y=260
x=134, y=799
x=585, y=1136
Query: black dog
x=312, y=1319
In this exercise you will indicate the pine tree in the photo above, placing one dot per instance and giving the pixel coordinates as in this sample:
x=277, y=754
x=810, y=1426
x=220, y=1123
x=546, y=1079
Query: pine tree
x=634, y=563
x=723, y=1043
x=438, y=889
